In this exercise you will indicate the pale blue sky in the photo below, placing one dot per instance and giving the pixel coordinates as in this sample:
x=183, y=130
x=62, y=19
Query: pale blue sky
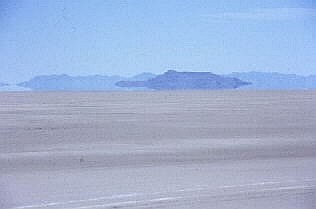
x=132, y=36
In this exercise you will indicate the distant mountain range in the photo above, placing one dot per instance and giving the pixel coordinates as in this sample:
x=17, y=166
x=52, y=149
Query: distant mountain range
x=168, y=81
x=73, y=83
x=3, y=84
x=142, y=77
x=78, y=83
x=263, y=80
x=173, y=80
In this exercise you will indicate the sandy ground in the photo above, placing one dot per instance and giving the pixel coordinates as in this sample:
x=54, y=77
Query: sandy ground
x=182, y=149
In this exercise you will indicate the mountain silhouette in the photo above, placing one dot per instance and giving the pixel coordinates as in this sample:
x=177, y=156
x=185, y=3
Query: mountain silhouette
x=173, y=80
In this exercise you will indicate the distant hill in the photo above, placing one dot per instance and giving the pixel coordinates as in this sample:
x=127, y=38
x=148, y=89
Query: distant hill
x=78, y=83
x=167, y=81
x=173, y=80
x=72, y=83
x=263, y=80
x=142, y=77
x=3, y=84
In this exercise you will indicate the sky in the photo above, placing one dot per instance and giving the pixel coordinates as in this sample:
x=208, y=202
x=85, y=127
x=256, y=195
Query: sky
x=116, y=37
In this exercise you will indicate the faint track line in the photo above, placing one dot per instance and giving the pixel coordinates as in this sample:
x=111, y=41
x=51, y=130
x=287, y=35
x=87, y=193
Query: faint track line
x=122, y=200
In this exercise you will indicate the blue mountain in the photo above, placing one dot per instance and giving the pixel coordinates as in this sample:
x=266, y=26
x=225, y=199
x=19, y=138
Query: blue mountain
x=72, y=83
x=264, y=80
x=173, y=80
x=3, y=84
x=142, y=77
x=168, y=81
x=78, y=83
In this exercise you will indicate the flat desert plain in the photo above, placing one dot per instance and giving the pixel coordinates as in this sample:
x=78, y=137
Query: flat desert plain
x=176, y=149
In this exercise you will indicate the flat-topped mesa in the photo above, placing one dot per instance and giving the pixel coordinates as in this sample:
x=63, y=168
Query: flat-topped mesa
x=173, y=80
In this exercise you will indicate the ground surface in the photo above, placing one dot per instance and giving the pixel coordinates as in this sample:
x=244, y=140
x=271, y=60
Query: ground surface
x=211, y=149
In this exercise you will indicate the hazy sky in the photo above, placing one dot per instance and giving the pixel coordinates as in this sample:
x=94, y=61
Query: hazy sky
x=128, y=37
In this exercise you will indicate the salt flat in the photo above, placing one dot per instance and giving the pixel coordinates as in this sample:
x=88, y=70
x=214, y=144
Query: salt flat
x=176, y=149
